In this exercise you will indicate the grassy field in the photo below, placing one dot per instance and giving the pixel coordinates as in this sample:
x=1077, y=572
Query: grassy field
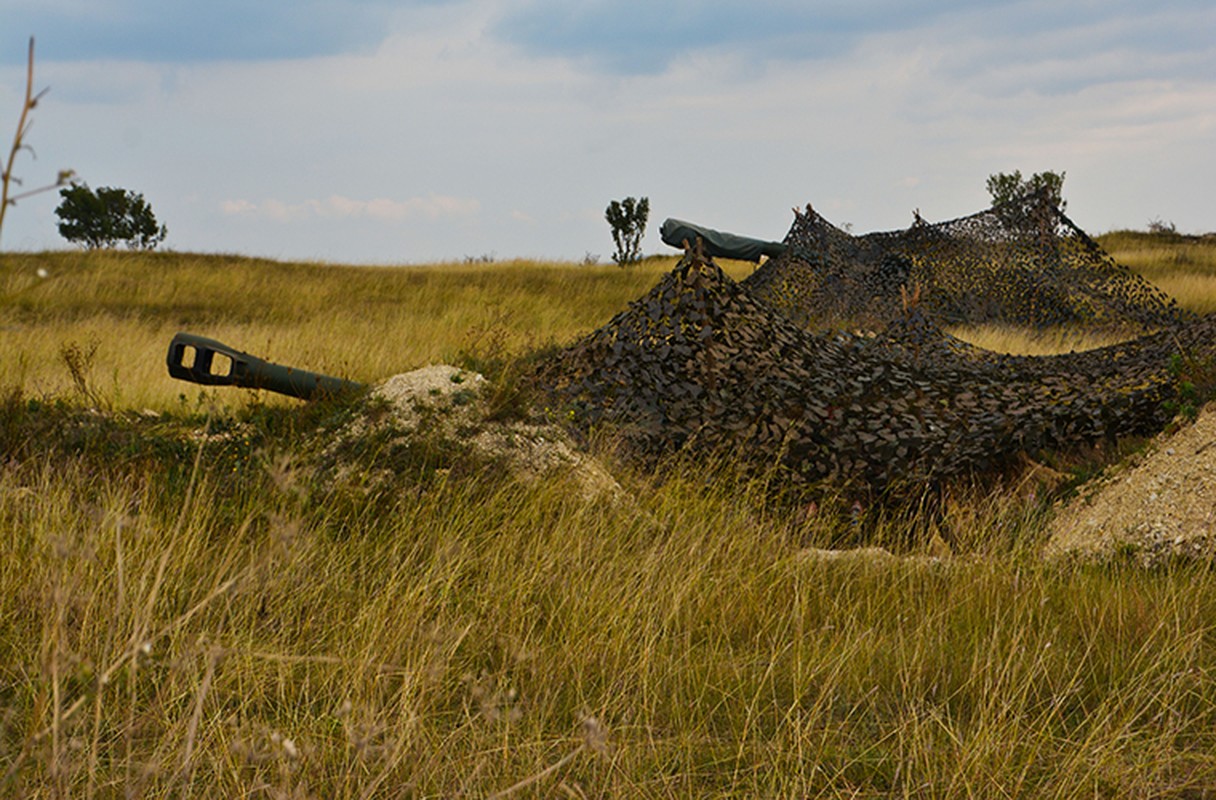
x=1181, y=265
x=361, y=323
x=193, y=604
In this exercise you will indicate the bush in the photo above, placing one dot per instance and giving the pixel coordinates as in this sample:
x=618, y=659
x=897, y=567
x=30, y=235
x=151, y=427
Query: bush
x=1023, y=202
x=1012, y=188
x=628, y=220
x=1160, y=227
x=106, y=217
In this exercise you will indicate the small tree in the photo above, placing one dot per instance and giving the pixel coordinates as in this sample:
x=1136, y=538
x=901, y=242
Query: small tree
x=106, y=217
x=628, y=220
x=1009, y=190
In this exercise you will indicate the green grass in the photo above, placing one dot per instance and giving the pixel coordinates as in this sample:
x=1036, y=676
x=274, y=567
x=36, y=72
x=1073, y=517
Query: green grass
x=195, y=603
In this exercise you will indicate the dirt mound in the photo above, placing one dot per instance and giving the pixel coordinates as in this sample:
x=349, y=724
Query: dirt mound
x=440, y=391
x=447, y=404
x=1162, y=507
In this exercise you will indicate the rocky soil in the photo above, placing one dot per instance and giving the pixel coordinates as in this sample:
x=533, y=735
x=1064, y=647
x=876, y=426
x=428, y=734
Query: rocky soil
x=1160, y=507
x=448, y=402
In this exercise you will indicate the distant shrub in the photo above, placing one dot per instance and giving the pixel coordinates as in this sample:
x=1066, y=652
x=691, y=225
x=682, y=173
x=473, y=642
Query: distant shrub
x=1160, y=226
x=105, y=217
x=628, y=220
x=1023, y=203
x=1012, y=189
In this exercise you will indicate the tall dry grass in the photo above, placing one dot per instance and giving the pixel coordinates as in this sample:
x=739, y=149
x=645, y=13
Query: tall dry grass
x=193, y=604
x=362, y=323
x=1182, y=266
x=366, y=323
x=483, y=635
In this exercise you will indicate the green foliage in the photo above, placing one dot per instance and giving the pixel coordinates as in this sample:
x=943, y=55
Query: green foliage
x=105, y=217
x=1025, y=202
x=628, y=221
x=1195, y=383
x=1011, y=188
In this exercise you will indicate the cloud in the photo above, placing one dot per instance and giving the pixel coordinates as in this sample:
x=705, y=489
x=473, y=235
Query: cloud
x=646, y=36
x=238, y=208
x=380, y=209
x=153, y=30
x=642, y=37
x=1063, y=51
x=725, y=113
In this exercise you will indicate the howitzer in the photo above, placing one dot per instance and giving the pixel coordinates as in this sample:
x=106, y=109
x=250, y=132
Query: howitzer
x=211, y=363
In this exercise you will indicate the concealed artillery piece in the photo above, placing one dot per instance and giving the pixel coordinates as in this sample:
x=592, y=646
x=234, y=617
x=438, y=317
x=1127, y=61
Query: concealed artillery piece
x=211, y=363
x=701, y=362
x=763, y=368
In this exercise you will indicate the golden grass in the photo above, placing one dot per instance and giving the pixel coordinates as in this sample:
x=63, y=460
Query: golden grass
x=1195, y=291
x=1183, y=267
x=488, y=635
x=361, y=323
x=199, y=615
x=1022, y=341
x=1148, y=253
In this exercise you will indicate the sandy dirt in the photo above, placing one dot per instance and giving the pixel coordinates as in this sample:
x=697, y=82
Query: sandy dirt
x=1161, y=506
x=448, y=400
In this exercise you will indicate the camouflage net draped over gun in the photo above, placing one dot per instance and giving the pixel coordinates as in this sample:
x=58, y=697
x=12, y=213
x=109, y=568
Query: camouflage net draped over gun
x=1022, y=263
x=699, y=362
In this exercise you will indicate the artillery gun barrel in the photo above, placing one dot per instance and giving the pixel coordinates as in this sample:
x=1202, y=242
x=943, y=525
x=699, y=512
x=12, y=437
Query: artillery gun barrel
x=205, y=361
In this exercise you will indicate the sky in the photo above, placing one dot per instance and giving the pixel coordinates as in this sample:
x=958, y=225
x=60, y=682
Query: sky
x=414, y=131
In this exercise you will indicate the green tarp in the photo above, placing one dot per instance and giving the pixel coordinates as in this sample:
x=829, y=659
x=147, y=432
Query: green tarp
x=717, y=244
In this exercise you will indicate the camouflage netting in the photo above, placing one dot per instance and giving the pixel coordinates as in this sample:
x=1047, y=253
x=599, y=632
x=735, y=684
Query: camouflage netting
x=1022, y=263
x=702, y=363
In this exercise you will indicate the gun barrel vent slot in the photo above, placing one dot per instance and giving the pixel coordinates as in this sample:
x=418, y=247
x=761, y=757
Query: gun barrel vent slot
x=221, y=365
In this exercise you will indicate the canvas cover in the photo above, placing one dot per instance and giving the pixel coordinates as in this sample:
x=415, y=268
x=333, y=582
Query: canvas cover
x=718, y=244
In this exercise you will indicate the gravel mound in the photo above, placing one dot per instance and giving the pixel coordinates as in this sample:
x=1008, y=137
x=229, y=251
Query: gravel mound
x=439, y=394
x=448, y=402
x=1160, y=508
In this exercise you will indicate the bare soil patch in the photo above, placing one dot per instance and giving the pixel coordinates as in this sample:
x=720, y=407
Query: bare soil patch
x=1163, y=505
x=448, y=402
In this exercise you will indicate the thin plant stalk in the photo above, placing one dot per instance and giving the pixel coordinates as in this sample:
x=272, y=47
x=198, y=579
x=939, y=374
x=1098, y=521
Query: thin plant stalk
x=23, y=128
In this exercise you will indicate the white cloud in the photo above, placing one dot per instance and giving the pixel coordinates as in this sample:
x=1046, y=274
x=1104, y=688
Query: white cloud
x=339, y=207
x=238, y=208
x=378, y=153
